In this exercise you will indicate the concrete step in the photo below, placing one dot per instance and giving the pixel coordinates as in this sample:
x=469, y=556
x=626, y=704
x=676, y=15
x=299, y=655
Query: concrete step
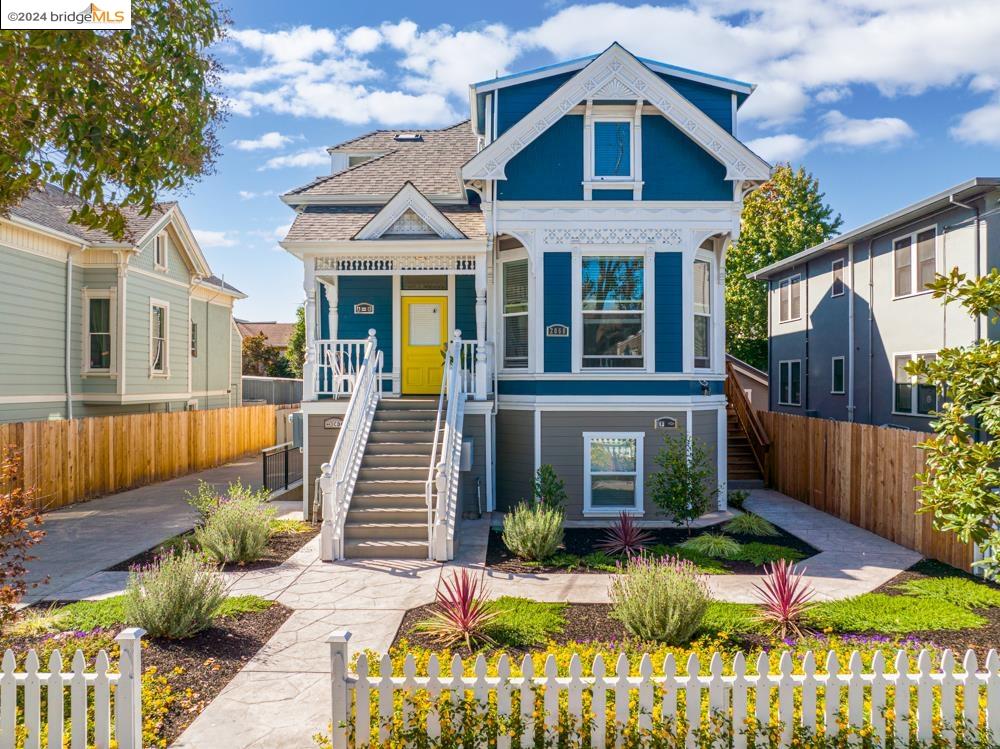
x=407, y=404
x=389, y=486
x=403, y=425
x=415, y=514
x=380, y=500
x=398, y=549
x=382, y=531
x=401, y=459
x=386, y=446
x=394, y=473
x=405, y=414
x=411, y=435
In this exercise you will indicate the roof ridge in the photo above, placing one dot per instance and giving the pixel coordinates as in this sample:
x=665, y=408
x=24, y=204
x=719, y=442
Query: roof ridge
x=382, y=131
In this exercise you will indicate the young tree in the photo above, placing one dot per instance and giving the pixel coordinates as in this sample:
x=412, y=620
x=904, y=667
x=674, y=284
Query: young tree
x=296, y=353
x=786, y=215
x=961, y=486
x=683, y=487
x=116, y=117
x=19, y=531
x=547, y=488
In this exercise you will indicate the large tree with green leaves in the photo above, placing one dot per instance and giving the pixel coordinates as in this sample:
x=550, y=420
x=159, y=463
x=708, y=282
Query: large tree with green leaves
x=116, y=117
x=961, y=485
x=296, y=351
x=786, y=215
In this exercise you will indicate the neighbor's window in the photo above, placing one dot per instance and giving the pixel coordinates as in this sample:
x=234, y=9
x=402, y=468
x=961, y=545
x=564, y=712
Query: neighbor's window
x=515, y=314
x=612, y=149
x=702, y=314
x=912, y=395
x=612, y=309
x=613, y=471
x=790, y=299
x=837, y=376
x=160, y=250
x=99, y=333
x=194, y=339
x=158, y=338
x=837, y=268
x=789, y=383
x=914, y=260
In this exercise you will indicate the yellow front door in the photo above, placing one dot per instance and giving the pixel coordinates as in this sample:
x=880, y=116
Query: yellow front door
x=425, y=335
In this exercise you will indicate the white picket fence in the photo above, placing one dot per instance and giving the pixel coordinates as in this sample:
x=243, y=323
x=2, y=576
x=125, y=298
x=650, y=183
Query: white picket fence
x=86, y=689
x=814, y=698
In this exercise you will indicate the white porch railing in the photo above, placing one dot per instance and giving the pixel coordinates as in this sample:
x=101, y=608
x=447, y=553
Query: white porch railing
x=477, y=366
x=337, y=365
x=340, y=474
x=441, y=489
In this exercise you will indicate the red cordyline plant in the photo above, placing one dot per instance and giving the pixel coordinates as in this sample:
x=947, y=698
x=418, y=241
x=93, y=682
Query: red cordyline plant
x=461, y=611
x=625, y=537
x=18, y=533
x=784, y=597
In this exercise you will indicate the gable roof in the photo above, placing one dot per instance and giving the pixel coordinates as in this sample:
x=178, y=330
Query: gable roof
x=409, y=198
x=214, y=282
x=433, y=164
x=276, y=333
x=340, y=223
x=616, y=74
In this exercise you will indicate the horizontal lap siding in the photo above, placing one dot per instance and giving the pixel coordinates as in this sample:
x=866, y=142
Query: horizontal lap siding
x=139, y=293
x=674, y=167
x=465, y=306
x=474, y=429
x=549, y=167
x=321, y=444
x=376, y=290
x=515, y=461
x=668, y=312
x=514, y=102
x=716, y=102
x=558, y=309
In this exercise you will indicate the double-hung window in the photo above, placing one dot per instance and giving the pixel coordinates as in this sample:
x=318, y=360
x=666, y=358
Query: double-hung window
x=612, y=149
x=912, y=395
x=612, y=480
x=99, y=337
x=914, y=262
x=612, y=311
x=160, y=251
x=789, y=299
x=515, y=314
x=159, y=326
x=194, y=340
x=702, y=314
x=790, y=383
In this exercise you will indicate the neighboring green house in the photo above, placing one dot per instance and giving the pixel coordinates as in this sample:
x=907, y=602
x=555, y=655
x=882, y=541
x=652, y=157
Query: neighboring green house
x=94, y=327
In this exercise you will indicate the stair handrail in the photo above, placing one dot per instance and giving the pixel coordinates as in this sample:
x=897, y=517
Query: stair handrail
x=340, y=474
x=760, y=443
x=441, y=489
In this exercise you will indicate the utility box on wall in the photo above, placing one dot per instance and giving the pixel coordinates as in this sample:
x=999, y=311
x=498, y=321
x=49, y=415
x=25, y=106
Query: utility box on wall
x=465, y=464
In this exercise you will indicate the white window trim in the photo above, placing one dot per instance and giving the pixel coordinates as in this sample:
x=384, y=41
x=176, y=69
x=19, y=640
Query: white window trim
x=511, y=256
x=843, y=379
x=788, y=282
x=708, y=257
x=600, y=179
x=914, y=270
x=85, y=367
x=630, y=112
x=157, y=265
x=843, y=281
x=648, y=304
x=637, y=508
x=194, y=341
x=165, y=372
x=781, y=364
x=913, y=382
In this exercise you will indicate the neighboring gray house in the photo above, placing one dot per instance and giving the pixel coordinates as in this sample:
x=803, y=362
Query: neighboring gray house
x=95, y=327
x=846, y=316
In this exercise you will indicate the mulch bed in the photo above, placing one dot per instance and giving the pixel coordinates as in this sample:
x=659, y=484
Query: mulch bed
x=279, y=549
x=583, y=541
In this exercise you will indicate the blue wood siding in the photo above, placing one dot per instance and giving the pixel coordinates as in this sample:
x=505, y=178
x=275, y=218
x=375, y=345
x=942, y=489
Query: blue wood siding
x=516, y=101
x=606, y=387
x=465, y=306
x=716, y=102
x=550, y=167
x=669, y=314
x=558, y=309
x=611, y=195
x=378, y=291
x=674, y=167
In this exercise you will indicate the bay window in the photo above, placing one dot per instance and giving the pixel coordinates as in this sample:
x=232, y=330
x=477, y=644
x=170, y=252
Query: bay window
x=612, y=308
x=612, y=480
x=702, y=314
x=515, y=314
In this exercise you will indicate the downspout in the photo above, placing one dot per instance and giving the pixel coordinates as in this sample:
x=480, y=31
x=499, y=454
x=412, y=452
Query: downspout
x=871, y=327
x=69, y=330
x=850, y=334
x=808, y=316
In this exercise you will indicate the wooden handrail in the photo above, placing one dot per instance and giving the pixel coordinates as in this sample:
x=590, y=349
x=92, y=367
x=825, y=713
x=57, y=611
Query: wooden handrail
x=749, y=421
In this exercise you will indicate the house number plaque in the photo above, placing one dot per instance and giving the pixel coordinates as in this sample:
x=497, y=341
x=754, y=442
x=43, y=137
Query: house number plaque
x=557, y=331
x=364, y=308
x=333, y=423
x=665, y=422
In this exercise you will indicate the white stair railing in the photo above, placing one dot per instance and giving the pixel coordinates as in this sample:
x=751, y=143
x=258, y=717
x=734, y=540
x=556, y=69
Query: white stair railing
x=340, y=475
x=443, y=475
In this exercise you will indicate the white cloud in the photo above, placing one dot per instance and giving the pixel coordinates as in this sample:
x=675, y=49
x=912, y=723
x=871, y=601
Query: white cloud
x=299, y=43
x=309, y=157
x=249, y=195
x=831, y=95
x=270, y=140
x=878, y=131
x=784, y=147
x=213, y=239
x=984, y=82
x=280, y=231
x=980, y=126
x=363, y=40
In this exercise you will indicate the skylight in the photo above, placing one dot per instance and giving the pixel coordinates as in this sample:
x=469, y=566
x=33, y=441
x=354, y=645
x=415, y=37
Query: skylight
x=409, y=136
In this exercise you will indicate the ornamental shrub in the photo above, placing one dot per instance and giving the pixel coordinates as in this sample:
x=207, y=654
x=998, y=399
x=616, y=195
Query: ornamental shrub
x=749, y=524
x=533, y=532
x=236, y=531
x=659, y=599
x=717, y=545
x=19, y=521
x=175, y=597
x=547, y=488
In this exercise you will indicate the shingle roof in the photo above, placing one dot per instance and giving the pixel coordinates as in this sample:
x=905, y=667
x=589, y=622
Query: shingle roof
x=433, y=163
x=214, y=280
x=276, y=333
x=342, y=222
x=51, y=207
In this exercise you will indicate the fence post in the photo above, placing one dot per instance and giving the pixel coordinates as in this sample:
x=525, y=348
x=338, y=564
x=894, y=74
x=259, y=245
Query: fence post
x=286, y=451
x=338, y=684
x=128, y=695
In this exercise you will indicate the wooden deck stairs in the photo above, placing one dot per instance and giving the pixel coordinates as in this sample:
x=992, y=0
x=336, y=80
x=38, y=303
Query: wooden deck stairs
x=748, y=445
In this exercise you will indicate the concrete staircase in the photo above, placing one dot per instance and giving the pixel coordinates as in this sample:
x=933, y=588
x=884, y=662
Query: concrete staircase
x=387, y=518
x=744, y=472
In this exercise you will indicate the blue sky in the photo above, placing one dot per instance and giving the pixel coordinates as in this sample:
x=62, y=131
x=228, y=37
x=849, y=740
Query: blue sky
x=885, y=101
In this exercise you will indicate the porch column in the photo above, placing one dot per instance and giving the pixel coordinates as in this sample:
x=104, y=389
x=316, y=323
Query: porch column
x=330, y=287
x=309, y=365
x=481, y=371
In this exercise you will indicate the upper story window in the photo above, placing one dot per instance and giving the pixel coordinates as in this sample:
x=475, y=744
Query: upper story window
x=912, y=395
x=837, y=271
x=702, y=314
x=914, y=262
x=515, y=314
x=612, y=307
x=160, y=251
x=99, y=332
x=837, y=375
x=159, y=327
x=612, y=149
x=194, y=340
x=790, y=299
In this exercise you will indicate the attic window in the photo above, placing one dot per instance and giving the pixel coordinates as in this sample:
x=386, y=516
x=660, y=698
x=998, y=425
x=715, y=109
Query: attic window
x=408, y=137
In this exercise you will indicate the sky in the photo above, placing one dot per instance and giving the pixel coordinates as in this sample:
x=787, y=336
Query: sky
x=884, y=101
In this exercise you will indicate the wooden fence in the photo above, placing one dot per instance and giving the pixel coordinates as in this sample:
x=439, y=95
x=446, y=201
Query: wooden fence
x=862, y=474
x=70, y=460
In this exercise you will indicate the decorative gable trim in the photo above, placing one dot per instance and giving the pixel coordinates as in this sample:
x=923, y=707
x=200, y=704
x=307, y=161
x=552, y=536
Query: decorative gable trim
x=617, y=75
x=188, y=244
x=409, y=198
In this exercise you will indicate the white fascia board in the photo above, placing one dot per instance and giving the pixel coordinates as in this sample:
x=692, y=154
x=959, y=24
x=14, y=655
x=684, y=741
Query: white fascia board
x=434, y=246
x=409, y=198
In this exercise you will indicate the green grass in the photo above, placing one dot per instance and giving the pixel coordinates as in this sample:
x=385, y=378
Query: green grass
x=601, y=561
x=285, y=525
x=749, y=524
x=759, y=553
x=877, y=612
x=523, y=622
x=730, y=618
x=243, y=605
x=960, y=591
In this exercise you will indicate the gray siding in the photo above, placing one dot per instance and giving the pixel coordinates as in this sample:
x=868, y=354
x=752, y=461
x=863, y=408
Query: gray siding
x=321, y=444
x=475, y=429
x=515, y=457
x=141, y=290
